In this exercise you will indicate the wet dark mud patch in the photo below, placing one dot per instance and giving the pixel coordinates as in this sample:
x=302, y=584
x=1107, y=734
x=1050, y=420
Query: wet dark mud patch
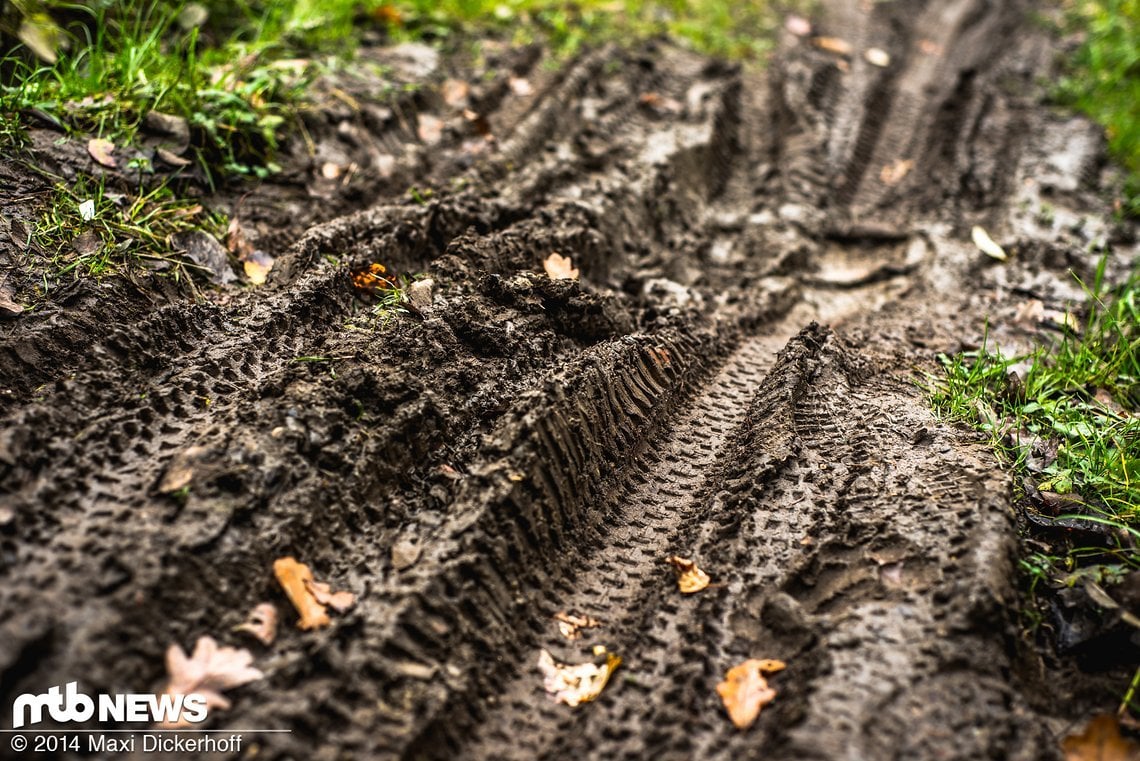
x=515, y=446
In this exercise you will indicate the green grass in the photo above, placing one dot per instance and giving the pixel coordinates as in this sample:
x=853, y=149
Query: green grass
x=91, y=230
x=740, y=30
x=1078, y=397
x=1103, y=80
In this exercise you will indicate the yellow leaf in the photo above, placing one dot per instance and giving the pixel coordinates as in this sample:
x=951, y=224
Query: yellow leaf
x=578, y=684
x=257, y=266
x=1100, y=741
x=560, y=267
x=745, y=690
x=690, y=579
x=986, y=244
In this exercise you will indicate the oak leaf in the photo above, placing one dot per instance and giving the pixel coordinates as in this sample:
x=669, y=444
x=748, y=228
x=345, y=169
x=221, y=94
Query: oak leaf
x=209, y=672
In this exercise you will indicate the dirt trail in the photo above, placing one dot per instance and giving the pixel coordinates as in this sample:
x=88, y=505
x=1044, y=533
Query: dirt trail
x=527, y=446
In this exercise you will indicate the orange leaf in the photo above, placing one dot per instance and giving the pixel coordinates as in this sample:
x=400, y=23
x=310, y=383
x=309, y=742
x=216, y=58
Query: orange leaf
x=295, y=578
x=1100, y=741
x=745, y=690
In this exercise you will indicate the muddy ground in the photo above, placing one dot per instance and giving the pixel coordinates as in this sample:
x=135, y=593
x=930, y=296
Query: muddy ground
x=733, y=379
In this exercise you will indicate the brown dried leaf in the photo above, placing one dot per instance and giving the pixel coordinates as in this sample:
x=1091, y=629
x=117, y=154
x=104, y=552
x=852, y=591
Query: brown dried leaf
x=893, y=173
x=8, y=307
x=745, y=690
x=690, y=579
x=577, y=684
x=560, y=267
x=833, y=45
x=570, y=626
x=297, y=580
x=101, y=151
x=211, y=671
x=171, y=158
x=261, y=624
x=1100, y=741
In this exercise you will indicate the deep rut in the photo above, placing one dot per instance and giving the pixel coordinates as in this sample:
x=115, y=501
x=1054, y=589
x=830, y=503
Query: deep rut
x=624, y=570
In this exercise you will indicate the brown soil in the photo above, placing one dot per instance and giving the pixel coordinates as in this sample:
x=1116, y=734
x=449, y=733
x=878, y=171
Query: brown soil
x=545, y=445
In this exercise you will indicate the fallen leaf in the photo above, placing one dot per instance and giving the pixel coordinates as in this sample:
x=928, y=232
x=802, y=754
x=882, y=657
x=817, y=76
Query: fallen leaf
x=519, y=86
x=257, y=266
x=690, y=579
x=833, y=45
x=797, y=25
x=877, y=57
x=261, y=624
x=1100, y=741
x=308, y=596
x=211, y=671
x=560, y=267
x=204, y=250
x=8, y=307
x=745, y=690
x=454, y=92
x=101, y=151
x=322, y=593
x=986, y=244
x=171, y=158
x=372, y=278
x=570, y=626
x=180, y=471
x=893, y=173
x=429, y=128
x=578, y=684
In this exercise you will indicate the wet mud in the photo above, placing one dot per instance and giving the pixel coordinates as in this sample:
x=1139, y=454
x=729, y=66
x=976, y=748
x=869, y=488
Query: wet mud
x=732, y=379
